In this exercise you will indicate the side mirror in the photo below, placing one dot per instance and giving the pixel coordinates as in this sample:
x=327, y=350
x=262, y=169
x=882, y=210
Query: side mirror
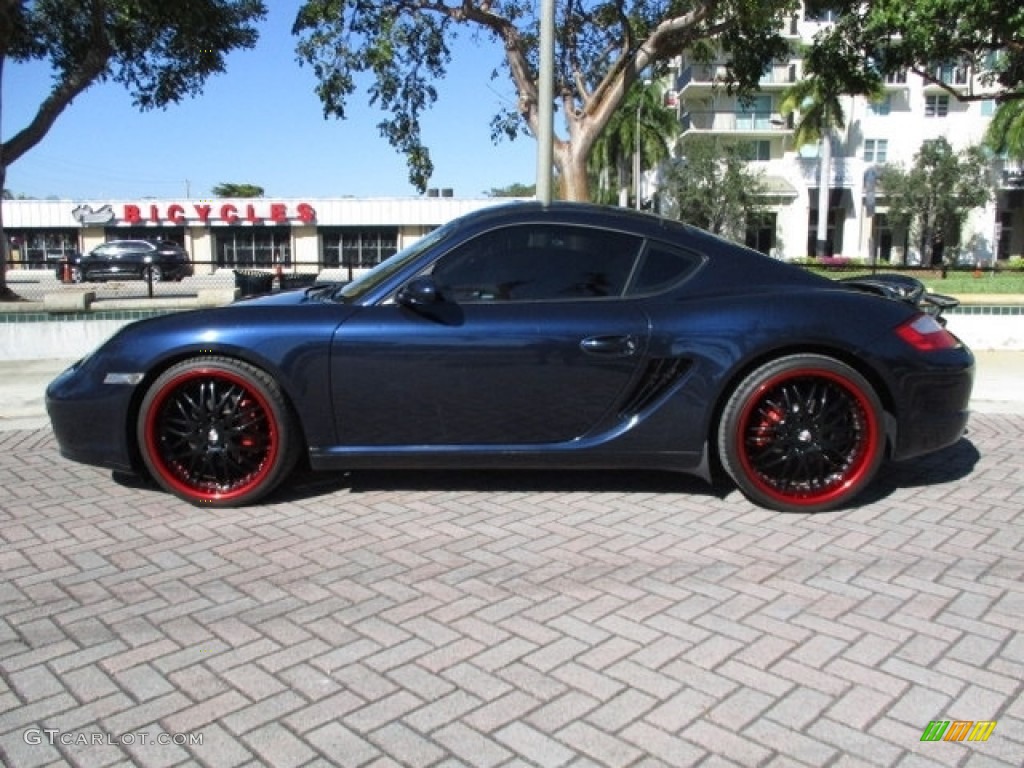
x=419, y=292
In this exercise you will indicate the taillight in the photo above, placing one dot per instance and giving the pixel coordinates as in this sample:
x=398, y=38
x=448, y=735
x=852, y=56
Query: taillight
x=926, y=334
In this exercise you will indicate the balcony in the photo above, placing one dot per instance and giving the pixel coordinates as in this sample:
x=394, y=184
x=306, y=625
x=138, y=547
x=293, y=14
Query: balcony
x=846, y=172
x=736, y=124
x=700, y=78
x=779, y=77
x=1011, y=176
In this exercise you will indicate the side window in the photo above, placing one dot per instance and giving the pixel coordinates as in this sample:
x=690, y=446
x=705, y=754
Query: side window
x=538, y=262
x=663, y=267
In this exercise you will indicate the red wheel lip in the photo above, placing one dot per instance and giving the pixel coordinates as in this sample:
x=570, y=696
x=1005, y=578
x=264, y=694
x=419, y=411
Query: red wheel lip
x=183, y=489
x=873, y=435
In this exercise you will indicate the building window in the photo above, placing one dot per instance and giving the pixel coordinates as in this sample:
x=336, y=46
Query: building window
x=756, y=150
x=876, y=150
x=988, y=107
x=882, y=106
x=754, y=115
x=951, y=74
x=760, y=234
x=936, y=105
x=41, y=248
x=897, y=78
x=251, y=247
x=358, y=248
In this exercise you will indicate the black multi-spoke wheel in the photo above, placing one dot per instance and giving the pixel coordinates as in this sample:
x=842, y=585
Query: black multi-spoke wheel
x=153, y=274
x=802, y=433
x=216, y=432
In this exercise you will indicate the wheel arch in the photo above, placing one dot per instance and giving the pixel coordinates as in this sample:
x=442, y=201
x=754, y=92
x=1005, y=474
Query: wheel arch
x=165, y=363
x=740, y=372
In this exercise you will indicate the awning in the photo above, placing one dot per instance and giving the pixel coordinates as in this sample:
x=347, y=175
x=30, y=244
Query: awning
x=776, y=186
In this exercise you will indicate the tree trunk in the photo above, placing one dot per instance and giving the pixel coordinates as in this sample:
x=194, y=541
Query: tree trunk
x=572, y=172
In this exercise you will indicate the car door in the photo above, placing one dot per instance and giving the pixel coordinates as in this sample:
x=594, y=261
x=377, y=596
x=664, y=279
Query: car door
x=530, y=344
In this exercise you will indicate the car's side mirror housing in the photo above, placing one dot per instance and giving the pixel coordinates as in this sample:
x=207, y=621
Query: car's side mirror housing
x=419, y=292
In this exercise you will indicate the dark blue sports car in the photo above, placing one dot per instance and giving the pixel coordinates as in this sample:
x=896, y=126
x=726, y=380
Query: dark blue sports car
x=566, y=336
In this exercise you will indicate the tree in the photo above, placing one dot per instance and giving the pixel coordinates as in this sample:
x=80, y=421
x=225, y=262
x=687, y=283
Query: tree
x=231, y=189
x=816, y=101
x=601, y=50
x=932, y=199
x=641, y=130
x=870, y=41
x=160, y=51
x=711, y=187
x=1005, y=134
x=513, y=190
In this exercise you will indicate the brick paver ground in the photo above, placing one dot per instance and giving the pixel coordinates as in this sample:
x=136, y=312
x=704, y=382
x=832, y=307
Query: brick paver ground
x=444, y=619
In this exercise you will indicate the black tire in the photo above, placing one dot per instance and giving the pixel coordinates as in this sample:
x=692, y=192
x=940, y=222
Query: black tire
x=153, y=274
x=76, y=275
x=803, y=433
x=217, y=432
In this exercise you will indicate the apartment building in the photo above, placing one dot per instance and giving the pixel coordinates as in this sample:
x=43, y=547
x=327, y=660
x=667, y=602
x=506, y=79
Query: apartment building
x=890, y=130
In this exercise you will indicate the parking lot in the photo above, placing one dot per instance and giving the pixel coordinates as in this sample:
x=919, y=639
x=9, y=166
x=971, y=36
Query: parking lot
x=499, y=619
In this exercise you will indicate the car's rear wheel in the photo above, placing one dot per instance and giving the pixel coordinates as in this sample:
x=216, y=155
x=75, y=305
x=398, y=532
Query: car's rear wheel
x=153, y=274
x=802, y=433
x=217, y=432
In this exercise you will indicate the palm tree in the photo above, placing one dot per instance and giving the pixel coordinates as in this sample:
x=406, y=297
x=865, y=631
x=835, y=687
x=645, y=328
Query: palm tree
x=820, y=114
x=641, y=129
x=1005, y=133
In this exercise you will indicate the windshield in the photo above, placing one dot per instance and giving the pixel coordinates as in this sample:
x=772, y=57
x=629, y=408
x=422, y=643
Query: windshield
x=367, y=282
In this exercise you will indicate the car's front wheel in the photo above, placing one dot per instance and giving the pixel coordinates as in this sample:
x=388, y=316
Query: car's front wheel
x=217, y=432
x=153, y=274
x=803, y=433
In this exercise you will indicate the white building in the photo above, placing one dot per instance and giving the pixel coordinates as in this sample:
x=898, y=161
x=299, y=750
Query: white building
x=305, y=235
x=888, y=131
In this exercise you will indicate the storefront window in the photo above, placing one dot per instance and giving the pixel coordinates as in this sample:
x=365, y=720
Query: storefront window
x=41, y=248
x=251, y=247
x=358, y=248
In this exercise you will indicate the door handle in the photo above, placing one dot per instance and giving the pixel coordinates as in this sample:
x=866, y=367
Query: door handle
x=610, y=346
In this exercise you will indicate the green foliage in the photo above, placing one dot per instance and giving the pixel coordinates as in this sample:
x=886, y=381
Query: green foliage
x=232, y=189
x=640, y=120
x=872, y=40
x=513, y=190
x=935, y=195
x=160, y=51
x=710, y=187
x=1005, y=134
x=601, y=49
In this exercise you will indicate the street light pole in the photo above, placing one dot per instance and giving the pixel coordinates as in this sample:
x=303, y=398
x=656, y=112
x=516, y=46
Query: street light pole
x=546, y=97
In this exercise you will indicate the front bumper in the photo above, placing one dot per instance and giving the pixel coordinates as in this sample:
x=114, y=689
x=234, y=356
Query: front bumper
x=90, y=418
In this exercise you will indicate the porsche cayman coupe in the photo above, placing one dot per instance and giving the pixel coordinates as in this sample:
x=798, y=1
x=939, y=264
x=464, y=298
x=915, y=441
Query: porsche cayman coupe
x=561, y=336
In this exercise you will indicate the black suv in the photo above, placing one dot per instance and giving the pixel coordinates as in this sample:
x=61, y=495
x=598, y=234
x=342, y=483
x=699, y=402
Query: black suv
x=128, y=260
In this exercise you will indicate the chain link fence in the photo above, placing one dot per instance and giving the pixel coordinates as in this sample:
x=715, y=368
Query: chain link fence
x=34, y=284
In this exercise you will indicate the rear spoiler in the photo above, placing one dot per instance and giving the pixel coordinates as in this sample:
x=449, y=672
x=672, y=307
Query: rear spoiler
x=904, y=288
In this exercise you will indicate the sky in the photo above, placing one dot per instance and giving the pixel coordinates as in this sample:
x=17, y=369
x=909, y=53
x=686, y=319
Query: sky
x=260, y=122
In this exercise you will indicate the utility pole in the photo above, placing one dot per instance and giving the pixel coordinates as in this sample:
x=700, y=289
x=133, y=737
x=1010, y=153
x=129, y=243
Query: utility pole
x=546, y=97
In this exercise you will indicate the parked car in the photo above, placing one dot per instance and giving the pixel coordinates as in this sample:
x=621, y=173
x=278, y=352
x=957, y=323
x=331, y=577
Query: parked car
x=129, y=260
x=561, y=336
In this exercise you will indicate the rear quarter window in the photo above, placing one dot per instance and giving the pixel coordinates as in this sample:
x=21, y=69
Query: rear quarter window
x=662, y=267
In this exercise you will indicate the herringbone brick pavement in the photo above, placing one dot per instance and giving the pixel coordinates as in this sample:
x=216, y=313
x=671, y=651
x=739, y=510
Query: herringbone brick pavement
x=492, y=619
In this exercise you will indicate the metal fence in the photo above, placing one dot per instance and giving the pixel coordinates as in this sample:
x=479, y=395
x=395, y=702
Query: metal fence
x=34, y=284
